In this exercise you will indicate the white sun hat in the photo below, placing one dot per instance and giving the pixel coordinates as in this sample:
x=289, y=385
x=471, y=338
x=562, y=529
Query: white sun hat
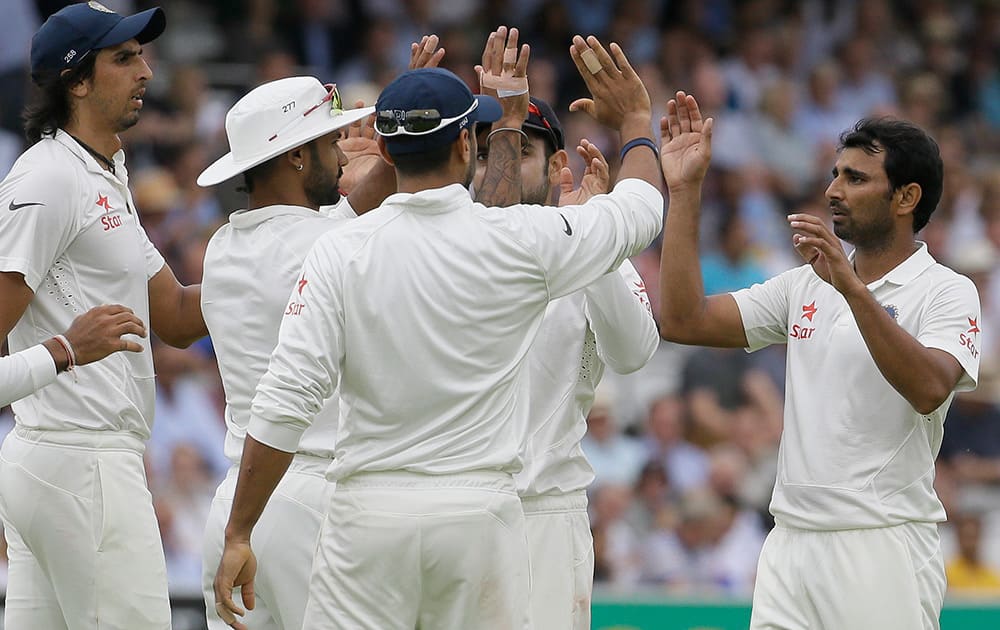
x=277, y=117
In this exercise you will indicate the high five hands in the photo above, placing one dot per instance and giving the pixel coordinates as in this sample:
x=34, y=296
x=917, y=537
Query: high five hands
x=686, y=148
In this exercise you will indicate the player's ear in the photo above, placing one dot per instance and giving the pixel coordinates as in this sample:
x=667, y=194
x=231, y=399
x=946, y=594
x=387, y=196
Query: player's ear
x=380, y=141
x=907, y=197
x=466, y=145
x=296, y=157
x=557, y=162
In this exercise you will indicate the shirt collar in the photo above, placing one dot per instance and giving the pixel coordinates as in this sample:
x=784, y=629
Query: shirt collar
x=432, y=200
x=905, y=271
x=245, y=219
x=88, y=160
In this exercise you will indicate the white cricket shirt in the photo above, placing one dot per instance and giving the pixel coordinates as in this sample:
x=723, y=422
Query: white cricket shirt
x=425, y=309
x=854, y=453
x=607, y=323
x=251, y=265
x=71, y=228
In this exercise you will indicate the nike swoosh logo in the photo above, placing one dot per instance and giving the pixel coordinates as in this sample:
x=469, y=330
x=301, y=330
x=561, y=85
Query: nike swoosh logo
x=13, y=207
x=568, y=230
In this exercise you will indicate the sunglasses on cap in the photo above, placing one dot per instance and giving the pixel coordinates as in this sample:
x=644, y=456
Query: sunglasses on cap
x=332, y=97
x=415, y=122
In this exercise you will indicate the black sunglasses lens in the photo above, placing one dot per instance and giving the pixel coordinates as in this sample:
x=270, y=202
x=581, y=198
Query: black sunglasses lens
x=421, y=123
x=385, y=122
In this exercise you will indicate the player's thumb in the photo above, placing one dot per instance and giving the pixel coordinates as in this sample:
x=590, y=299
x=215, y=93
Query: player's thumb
x=131, y=346
x=585, y=105
x=565, y=181
x=248, y=595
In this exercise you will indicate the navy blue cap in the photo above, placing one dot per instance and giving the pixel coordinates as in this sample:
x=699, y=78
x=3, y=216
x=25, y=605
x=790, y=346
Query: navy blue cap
x=542, y=118
x=434, y=88
x=72, y=32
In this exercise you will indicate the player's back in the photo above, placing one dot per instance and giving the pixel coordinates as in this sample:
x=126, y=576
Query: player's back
x=251, y=267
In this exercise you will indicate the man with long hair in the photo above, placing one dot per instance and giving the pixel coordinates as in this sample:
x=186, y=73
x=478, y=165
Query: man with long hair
x=85, y=550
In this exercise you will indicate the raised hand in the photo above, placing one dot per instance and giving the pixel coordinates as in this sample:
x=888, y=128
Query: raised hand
x=361, y=150
x=616, y=90
x=818, y=246
x=686, y=148
x=425, y=53
x=504, y=74
x=98, y=332
x=596, y=177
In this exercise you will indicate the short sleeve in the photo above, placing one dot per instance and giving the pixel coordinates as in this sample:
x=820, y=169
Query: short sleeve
x=40, y=214
x=952, y=322
x=764, y=310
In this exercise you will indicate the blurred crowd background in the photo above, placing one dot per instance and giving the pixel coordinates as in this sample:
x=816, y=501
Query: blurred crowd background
x=685, y=449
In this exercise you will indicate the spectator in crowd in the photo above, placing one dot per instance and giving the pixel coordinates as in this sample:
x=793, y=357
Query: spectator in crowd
x=967, y=574
x=615, y=457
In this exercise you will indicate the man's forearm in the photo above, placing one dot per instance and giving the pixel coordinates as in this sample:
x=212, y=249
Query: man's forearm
x=913, y=370
x=373, y=188
x=640, y=162
x=261, y=468
x=501, y=185
x=682, y=292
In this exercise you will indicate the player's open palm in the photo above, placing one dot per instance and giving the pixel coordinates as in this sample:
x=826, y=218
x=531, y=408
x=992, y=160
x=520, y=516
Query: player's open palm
x=686, y=148
x=236, y=570
x=595, y=178
x=616, y=90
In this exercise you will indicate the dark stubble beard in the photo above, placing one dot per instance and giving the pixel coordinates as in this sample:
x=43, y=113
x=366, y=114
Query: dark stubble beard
x=320, y=186
x=874, y=236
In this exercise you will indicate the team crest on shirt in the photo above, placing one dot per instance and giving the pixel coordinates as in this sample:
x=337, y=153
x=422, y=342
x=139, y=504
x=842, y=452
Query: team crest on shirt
x=969, y=337
x=892, y=310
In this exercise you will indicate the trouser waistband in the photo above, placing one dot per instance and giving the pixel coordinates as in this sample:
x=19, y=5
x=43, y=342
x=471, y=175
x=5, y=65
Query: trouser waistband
x=89, y=440
x=569, y=502
x=485, y=479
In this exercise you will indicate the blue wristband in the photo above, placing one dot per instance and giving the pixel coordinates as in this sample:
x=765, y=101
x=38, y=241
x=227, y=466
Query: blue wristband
x=639, y=142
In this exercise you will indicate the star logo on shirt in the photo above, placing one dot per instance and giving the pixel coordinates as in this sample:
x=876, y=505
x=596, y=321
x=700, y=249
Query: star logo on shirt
x=973, y=326
x=102, y=202
x=808, y=310
x=302, y=284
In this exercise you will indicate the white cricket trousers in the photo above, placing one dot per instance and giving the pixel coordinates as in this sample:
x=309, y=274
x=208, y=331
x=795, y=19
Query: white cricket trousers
x=400, y=551
x=889, y=578
x=561, y=551
x=284, y=542
x=84, y=546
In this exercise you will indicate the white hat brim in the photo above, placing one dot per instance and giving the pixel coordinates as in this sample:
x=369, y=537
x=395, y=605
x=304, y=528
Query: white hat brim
x=227, y=166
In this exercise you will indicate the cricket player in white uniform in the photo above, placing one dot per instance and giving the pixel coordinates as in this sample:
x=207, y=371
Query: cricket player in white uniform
x=251, y=263
x=85, y=550
x=608, y=322
x=425, y=310
x=878, y=342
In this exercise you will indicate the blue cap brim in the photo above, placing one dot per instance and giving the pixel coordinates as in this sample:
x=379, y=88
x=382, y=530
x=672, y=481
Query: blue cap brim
x=143, y=27
x=489, y=109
